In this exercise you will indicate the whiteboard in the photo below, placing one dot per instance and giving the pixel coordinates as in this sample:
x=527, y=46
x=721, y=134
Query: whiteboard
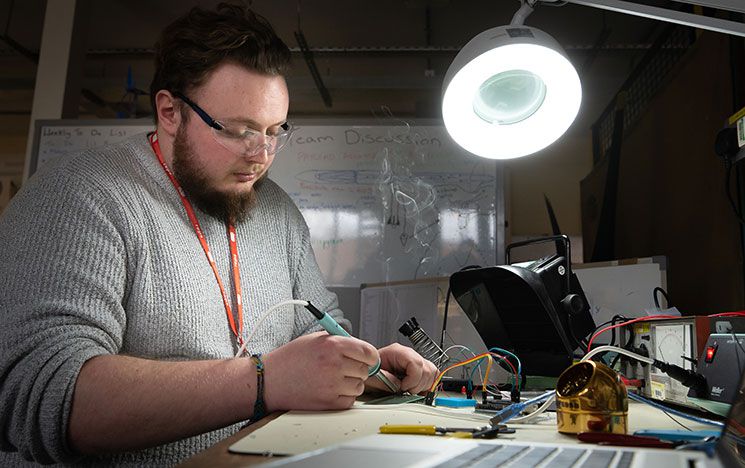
x=622, y=287
x=384, y=201
x=55, y=138
x=391, y=201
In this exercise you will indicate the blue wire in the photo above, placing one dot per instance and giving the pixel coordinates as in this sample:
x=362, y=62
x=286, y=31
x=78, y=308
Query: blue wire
x=515, y=409
x=667, y=409
x=519, y=364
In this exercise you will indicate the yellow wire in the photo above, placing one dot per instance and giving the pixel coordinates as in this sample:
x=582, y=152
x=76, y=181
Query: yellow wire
x=485, y=382
x=459, y=364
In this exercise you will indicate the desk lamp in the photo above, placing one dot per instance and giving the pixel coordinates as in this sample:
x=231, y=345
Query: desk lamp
x=511, y=91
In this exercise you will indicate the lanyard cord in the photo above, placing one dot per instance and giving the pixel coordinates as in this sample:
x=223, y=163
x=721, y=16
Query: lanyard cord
x=237, y=330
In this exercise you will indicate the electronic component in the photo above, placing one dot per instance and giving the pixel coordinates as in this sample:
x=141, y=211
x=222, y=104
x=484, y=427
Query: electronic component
x=536, y=310
x=454, y=402
x=679, y=342
x=721, y=364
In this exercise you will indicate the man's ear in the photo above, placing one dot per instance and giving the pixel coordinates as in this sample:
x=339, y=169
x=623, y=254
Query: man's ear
x=169, y=112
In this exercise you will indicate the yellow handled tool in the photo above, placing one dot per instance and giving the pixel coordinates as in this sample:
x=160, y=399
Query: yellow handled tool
x=462, y=432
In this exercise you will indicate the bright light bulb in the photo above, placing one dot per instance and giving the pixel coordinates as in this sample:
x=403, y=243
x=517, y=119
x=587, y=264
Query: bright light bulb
x=511, y=98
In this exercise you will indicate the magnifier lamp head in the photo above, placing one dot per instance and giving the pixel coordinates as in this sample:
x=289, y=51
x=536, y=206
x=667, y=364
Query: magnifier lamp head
x=511, y=91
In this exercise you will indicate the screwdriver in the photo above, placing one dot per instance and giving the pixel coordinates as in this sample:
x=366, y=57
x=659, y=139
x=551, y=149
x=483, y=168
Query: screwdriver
x=462, y=432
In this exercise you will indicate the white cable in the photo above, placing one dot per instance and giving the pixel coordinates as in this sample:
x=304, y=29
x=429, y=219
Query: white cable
x=464, y=370
x=529, y=417
x=616, y=349
x=264, y=317
x=461, y=347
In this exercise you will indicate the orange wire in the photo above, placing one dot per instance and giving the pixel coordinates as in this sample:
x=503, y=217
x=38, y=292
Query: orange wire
x=474, y=359
x=458, y=364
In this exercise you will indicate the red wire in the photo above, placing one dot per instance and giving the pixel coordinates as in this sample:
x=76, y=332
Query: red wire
x=655, y=317
x=640, y=319
x=514, y=371
x=729, y=314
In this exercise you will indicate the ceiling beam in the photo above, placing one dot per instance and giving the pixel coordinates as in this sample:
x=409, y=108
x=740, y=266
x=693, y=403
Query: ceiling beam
x=728, y=5
x=671, y=16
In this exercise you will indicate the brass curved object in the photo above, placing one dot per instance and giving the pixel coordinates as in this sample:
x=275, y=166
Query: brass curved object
x=591, y=397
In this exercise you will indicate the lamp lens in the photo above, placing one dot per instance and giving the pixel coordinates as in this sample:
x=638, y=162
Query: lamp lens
x=509, y=97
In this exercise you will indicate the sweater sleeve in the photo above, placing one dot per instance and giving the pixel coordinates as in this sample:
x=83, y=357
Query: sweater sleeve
x=62, y=277
x=307, y=279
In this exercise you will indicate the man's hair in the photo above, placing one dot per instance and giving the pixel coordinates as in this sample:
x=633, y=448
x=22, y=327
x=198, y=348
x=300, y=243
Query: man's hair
x=195, y=44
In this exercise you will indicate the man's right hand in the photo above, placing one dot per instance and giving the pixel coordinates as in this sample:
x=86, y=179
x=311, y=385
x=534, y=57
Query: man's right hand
x=317, y=372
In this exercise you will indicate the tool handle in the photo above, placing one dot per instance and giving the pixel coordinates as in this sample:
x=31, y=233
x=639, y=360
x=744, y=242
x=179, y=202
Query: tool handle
x=332, y=326
x=408, y=429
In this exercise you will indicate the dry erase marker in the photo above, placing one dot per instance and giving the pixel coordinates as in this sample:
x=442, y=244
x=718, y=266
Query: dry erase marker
x=333, y=327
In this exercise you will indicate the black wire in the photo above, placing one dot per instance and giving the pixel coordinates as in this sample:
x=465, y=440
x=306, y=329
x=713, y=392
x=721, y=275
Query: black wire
x=613, y=331
x=676, y=421
x=656, y=300
x=445, y=318
x=612, y=321
x=626, y=346
x=447, y=303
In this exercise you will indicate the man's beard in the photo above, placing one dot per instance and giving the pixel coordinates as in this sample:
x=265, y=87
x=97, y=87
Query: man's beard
x=229, y=207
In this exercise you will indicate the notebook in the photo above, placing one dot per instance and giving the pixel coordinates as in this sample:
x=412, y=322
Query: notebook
x=391, y=451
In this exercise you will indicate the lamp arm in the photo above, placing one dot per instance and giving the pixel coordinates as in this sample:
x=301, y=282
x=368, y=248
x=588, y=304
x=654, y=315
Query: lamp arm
x=518, y=19
x=672, y=16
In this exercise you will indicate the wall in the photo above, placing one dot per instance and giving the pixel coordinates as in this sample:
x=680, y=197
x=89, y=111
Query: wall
x=671, y=198
x=556, y=172
x=12, y=153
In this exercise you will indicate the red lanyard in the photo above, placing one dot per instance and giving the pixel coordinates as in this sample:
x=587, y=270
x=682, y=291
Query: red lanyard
x=237, y=331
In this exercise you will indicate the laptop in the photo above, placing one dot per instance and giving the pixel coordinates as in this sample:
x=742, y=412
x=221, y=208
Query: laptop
x=389, y=451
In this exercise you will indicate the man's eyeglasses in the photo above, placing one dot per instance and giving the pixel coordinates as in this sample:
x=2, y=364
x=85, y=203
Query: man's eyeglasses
x=239, y=138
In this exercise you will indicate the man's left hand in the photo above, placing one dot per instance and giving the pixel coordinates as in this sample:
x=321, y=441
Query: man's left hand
x=404, y=367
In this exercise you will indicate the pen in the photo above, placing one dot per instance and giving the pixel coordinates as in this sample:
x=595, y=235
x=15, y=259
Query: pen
x=333, y=328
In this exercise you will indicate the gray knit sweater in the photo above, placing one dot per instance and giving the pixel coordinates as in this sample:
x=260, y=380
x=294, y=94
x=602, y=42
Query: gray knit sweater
x=97, y=256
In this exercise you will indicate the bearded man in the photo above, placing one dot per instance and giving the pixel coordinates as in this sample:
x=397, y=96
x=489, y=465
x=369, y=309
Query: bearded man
x=132, y=275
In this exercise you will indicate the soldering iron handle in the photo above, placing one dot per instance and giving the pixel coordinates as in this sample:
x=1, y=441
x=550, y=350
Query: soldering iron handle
x=332, y=326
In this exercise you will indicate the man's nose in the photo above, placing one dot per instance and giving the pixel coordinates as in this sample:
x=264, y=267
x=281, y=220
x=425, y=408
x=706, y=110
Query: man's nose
x=259, y=149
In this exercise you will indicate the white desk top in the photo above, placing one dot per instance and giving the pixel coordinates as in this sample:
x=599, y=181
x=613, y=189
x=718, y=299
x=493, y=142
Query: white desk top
x=300, y=431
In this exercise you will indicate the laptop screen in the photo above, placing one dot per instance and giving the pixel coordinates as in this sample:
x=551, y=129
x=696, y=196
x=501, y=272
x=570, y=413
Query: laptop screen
x=731, y=447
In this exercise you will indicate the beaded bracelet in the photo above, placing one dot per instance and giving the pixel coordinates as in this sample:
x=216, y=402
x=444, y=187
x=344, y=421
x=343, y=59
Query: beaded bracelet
x=259, y=406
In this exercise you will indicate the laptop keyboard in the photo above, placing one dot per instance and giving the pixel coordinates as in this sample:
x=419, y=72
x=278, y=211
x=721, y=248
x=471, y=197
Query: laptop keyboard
x=488, y=456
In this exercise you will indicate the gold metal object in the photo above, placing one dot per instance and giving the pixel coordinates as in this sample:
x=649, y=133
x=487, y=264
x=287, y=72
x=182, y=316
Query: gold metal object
x=591, y=397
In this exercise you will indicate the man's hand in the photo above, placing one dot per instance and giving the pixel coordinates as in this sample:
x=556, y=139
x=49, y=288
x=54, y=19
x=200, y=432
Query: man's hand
x=317, y=372
x=406, y=368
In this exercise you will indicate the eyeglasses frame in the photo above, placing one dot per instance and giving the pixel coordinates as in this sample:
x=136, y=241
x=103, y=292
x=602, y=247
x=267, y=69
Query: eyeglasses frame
x=206, y=117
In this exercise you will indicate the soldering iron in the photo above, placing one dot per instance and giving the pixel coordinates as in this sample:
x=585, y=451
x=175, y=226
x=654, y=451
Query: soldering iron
x=333, y=328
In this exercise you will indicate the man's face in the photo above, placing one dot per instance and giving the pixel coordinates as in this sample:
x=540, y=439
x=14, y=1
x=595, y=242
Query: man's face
x=220, y=181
